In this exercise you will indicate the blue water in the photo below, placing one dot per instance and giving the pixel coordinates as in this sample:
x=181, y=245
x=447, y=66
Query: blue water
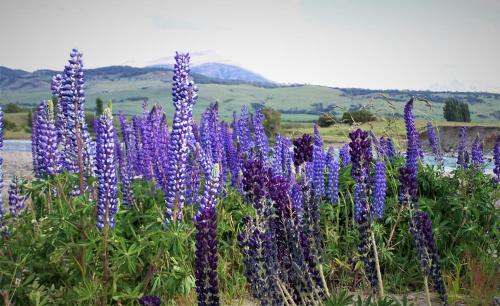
x=17, y=145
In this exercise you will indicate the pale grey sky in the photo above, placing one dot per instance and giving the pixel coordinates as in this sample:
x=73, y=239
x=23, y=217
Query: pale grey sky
x=421, y=44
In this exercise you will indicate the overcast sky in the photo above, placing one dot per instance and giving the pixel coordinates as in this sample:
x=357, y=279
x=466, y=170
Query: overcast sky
x=421, y=44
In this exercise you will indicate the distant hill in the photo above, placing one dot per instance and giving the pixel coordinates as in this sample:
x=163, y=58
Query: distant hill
x=228, y=72
x=128, y=86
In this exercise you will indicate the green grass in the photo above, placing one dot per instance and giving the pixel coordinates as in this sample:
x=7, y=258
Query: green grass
x=21, y=122
x=232, y=97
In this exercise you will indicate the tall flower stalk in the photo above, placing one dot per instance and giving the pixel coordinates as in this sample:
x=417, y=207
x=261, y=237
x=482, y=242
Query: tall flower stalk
x=184, y=95
x=477, y=159
x=434, y=144
x=3, y=213
x=463, y=155
x=361, y=157
x=78, y=150
x=496, y=162
x=107, y=190
x=207, y=286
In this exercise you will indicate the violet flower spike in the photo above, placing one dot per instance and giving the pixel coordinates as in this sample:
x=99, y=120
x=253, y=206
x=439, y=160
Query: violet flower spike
x=379, y=189
x=477, y=158
x=107, y=191
x=434, y=143
x=184, y=95
x=207, y=287
x=496, y=162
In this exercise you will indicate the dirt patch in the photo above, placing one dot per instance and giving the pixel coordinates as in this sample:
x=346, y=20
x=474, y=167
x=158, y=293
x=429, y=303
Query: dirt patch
x=448, y=136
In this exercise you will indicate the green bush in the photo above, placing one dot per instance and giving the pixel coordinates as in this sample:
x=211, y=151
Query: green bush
x=13, y=108
x=272, y=121
x=9, y=125
x=326, y=120
x=360, y=116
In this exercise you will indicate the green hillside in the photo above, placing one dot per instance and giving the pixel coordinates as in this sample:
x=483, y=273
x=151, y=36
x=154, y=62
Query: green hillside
x=128, y=87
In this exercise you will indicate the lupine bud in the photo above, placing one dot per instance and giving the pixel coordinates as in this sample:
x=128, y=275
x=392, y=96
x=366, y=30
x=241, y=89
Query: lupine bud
x=107, y=192
x=318, y=141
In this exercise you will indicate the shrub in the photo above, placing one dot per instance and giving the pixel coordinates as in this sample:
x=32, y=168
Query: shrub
x=13, y=108
x=272, y=121
x=9, y=125
x=361, y=115
x=326, y=120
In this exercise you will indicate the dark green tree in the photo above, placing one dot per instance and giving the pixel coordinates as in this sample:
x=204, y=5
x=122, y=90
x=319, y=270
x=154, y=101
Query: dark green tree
x=361, y=116
x=272, y=121
x=455, y=110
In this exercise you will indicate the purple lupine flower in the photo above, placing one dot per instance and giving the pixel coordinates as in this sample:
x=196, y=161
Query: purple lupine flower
x=302, y=150
x=496, y=160
x=361, y=156
x=46, y=141
x=413, y=147
x=260, y=136
x=255, y=182
x=79, y=150
x=379, y=189
x=184, y=94
x=245, y=139
x=408, y=186
x=296, y=196
x=333, y=177
x=210, y=137
x=136, y=123
x=280, y=154
x=318, y=141
x=148, y=144
x=463, y=155
x=194, y=170
x=375, y=143
x=150, y=300
x=60, y=120
x=434, y=143
x=3, y=226
x=344, y=155
x=477, y=152
x=258, y=239
x=107, y=192
x=16, y=199
x=207, y=287
x=421, y=231
x=232, y=158
x=390, y=149
x=318, y=178
x=35, y=152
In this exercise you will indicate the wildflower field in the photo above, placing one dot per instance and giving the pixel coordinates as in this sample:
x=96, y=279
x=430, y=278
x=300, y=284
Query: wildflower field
x=219, y=213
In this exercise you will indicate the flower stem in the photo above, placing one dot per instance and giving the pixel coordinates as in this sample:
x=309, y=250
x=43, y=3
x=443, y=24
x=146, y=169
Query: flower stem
x=377, y=266
x=427, y=294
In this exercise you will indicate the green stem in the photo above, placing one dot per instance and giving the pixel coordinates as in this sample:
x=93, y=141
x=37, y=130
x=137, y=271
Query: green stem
x=377, y=266
x=323, y=280
x=427, y=294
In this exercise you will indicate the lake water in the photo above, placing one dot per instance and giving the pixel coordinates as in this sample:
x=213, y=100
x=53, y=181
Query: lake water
x=450, y=163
